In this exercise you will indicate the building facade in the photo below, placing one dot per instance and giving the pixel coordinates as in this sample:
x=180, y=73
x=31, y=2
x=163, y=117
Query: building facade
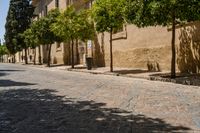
x=133, y=47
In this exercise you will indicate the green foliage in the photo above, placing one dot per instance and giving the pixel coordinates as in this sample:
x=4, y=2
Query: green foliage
x=3, y=50
x=159, y=12
x=18, y=20
x=72, y=25
x=42, y=28
x=66, y=25
x=85, y=26
x=30, y=38
x=108, y=14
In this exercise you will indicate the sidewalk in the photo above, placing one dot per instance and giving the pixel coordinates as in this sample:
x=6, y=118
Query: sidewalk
x=126, y=72
x=118, y=71
x=164, y=76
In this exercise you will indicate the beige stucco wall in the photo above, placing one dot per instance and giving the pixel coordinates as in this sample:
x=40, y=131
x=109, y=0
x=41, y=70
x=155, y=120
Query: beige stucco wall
x=139, y=46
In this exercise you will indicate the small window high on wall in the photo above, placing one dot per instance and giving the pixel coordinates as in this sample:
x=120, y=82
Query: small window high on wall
x=57, y=3
x=58, y=45
x=45, y=11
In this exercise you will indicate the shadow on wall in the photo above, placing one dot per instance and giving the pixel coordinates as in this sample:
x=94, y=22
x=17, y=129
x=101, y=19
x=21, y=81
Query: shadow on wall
x=188, y=59
x=55, y=60
x=41, y=111
x=67, y=53
x=99, y=56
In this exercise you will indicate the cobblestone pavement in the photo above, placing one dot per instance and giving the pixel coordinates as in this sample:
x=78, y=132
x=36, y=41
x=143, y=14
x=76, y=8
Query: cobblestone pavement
x=46, y=100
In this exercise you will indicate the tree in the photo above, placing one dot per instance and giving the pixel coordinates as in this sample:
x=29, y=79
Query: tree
x=85, y=27
x=37, y=29
x=31, y=40
x=66, y=28
x=164, y=12
x=72, y=25
x=109, y=16
x=43, y=31
x=18, y=20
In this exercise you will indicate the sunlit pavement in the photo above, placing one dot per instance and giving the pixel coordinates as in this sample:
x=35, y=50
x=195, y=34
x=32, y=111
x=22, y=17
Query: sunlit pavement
x=46, y=100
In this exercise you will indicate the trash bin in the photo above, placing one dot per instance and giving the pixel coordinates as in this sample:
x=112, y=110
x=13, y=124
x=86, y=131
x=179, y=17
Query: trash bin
x=89, y=63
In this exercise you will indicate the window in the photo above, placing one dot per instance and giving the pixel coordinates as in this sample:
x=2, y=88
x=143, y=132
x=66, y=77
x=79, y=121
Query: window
x=57, y=3
x=45, y=10
x=120, y=29
x=58, y=45
x=68, y=3
x=120, y=33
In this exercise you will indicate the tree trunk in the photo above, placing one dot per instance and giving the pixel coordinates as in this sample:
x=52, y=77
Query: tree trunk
x=34, y=62
x=173, y=61
x=111, y=54
x=72, y=54
x=49, y=56
x=40, y=57
x=26, y=59
x=77, y=53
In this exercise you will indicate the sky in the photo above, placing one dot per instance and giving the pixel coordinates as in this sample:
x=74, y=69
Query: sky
x=4, y=5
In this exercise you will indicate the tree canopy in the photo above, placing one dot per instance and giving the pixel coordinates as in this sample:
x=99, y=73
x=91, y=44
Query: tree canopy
x=18, y=20
x=66, y=25
x=3, y=50
x=30, y=38
x=108, y=14
x=42, y=28
x=160, y=12
x=85, y=26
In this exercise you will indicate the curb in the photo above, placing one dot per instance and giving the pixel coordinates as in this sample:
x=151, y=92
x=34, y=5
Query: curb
x=91, y=72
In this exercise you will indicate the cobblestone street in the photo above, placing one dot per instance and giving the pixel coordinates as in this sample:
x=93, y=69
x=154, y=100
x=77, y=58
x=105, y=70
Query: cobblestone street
x=47, y=100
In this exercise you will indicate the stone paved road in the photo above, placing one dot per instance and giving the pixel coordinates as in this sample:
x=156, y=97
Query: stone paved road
x=46, y=100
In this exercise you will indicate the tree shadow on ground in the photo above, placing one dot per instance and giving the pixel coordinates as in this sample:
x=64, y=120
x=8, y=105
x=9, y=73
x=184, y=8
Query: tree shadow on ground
x=135, y=71
x=57, y=65
x=9, y=83
x=3, y=74
x=7, y=71
x=41, y=111
x=10, y=70
x=181, y=78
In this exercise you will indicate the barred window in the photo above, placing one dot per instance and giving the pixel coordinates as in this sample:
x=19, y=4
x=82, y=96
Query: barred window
x=120, y=29
x=46, y=10
x=58, y=45
x=57, y=3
